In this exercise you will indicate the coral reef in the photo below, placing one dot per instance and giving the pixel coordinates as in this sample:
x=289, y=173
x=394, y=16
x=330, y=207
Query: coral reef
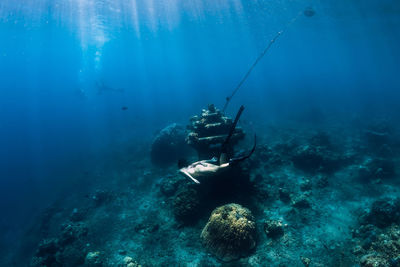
x=170, y=184
x=383, y=213
x=310, y=158
x=93, y=259
x=129, y=262
x=376, y=169
x=377, y=238
x=187, y=205
x=274, y=228
x=380, y=138
x=230, y=233
x=209, y=131
x=377, y=247
x=169, y=145
x=68, y=249
x=337, y=206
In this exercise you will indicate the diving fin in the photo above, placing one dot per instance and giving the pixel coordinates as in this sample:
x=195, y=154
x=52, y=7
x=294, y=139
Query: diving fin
x=238, y=159
x=223, y=157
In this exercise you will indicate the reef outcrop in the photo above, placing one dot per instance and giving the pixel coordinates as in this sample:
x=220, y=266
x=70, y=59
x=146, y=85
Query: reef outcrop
x=169, y=145
x=312, y=159
x=373, y=169
x=68, y=249
x=230, y=232
x=209, y=130
x=186, y=206
x=383, y=213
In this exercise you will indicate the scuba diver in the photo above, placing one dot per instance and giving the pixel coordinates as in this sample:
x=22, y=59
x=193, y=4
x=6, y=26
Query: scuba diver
x=206, y=168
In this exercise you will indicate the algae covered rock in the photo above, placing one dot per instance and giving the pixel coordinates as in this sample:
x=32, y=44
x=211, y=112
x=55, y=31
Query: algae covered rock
x=383, y=213
x=93, y=259
x=230, y=233
x=186, y=206
x=169, y=145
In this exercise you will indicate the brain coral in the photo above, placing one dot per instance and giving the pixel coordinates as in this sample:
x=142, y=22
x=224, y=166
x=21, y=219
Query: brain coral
x=230, y=232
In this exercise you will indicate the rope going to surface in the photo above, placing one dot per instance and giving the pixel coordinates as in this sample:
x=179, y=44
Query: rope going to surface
x=242, y=81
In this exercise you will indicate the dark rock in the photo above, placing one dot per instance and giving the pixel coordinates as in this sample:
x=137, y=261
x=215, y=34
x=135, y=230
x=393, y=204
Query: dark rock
x=46, y=247
x=317, y=159
x=102, y=196
x=321, y=139
x=169, y=145
x=284, y=195
x=186, y=206
x=374, y=169
x=274, y=229
x=46, y=253
x=72, y=232
x=270, y=157
x=72, y=256
x=379, y=134
x=301, y=202
x=305, y=185
x=322, y=181
x=383, y=213
x=78, y=215
x=170, y=184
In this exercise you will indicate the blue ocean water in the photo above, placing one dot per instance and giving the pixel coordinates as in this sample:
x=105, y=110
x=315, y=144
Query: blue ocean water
x=69, y=67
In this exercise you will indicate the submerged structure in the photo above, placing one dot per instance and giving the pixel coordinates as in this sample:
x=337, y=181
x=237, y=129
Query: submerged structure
x=208, y=132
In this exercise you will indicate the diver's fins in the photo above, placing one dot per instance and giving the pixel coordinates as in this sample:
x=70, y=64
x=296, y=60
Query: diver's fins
x=224, y=147
x=238, y=159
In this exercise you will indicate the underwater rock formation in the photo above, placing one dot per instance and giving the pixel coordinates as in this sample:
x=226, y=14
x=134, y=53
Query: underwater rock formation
x=301, y=201
x=379, y=137
x=209, y=131
x=383, y=213
x=169, y=145
x=69, y=249
x=46, y=253
x=310, y=158
x=230, y=232
x=377, y=247
x=93, y=259
x=170, y=184
x=101, y=197
x=130, y=262
x=274, y=228
x=186, y=206
x=378, y=168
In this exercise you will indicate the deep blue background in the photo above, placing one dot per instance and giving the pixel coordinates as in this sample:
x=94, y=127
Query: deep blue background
x=172, y=58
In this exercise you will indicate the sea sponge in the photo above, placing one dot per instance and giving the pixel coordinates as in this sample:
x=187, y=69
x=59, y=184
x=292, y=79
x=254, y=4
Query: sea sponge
x=230, y=232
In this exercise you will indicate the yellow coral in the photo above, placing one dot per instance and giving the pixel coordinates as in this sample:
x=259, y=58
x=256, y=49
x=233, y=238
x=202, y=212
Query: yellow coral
x=230, y=232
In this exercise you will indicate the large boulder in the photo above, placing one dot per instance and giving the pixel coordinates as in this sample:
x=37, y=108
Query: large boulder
x=383, y=213
x=311, y=158
x=187, y=206
x=230, y=232
x=376, y=168
x=169, y=145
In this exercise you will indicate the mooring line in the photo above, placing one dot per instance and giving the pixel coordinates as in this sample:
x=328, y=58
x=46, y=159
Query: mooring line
x=229, y=98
